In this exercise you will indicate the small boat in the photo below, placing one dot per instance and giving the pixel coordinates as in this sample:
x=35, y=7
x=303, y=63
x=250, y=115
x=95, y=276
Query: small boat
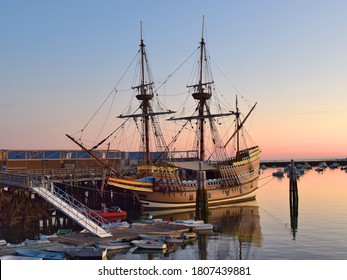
x=334, y=165
x=32, y=242
x=278, y=173
x=109, y=215
x=194, y=224
x=319, y=169
x=113, y=245
x=123, y=224
x=87, y=253
x=189, y=222
x=63, y=231
x=167, y=239
x=150, y=244
x=43, y=254
x=17, y=257
x=199, y=227
x=323, y=164
x=3, y=242
x=173, y=234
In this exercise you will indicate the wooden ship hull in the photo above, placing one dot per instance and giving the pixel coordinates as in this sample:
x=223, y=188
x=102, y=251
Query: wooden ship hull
x=238, y=182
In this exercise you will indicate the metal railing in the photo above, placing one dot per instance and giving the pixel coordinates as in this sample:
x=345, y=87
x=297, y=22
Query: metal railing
x=61, y=200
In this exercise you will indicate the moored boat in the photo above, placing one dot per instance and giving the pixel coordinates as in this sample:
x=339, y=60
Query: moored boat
x=87, y=253
x=167, y=239
x=113, y=245
x=190, y=235
x=278, y=173
x=43, y=254
x=109, y=215
x=150, y=244
x=17, y=257
x=194, y=226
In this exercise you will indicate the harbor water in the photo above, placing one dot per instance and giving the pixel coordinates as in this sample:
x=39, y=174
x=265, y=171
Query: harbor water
x=264, y=229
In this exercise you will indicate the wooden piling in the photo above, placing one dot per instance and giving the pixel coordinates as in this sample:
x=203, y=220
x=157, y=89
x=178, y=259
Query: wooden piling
x=293, y=198
x=201, y=206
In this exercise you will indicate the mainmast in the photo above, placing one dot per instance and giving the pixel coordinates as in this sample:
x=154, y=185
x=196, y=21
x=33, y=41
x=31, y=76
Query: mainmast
x=202, y=94
x=145, y=95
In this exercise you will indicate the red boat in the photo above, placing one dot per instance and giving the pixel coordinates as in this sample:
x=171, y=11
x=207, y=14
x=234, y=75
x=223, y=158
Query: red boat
x=110, y=215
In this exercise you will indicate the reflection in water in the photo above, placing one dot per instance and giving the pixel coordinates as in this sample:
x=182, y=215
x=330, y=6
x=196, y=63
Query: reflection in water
x=294, y=213
x=239, y=231
x=293, y=199
x=24, y=215
x=239, y=223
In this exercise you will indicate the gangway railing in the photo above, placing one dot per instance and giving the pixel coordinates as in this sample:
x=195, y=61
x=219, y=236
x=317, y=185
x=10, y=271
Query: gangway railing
x=61, y=200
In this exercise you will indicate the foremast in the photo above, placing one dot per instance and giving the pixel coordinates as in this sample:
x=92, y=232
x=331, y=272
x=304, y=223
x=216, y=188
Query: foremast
x=145, y=94
x=202, y=92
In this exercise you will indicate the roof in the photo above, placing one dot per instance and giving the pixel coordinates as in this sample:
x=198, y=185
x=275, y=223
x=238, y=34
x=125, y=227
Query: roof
x=193, y=165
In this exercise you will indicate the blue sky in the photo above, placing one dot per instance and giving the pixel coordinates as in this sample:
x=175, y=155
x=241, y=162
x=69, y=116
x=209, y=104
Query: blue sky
x=60, y=59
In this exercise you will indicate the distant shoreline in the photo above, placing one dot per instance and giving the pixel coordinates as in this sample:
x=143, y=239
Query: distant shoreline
x=314, y=162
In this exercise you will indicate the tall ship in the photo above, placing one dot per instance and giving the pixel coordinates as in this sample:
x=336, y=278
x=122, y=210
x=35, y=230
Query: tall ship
x=166, y=178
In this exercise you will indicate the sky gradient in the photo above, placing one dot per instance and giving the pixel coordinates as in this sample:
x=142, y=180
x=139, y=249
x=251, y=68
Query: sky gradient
x=59, y=60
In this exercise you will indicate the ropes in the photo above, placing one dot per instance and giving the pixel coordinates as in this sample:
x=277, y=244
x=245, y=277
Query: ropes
x=108, y=96
x=266, y=182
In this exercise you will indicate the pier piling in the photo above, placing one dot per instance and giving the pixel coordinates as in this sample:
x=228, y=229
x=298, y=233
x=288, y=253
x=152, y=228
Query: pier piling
x=201, y=207
x=293, y=198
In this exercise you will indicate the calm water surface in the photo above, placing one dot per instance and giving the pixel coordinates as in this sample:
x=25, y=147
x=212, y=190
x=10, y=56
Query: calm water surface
x=263, y=229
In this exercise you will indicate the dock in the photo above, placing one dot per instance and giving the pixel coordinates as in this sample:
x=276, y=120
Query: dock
x=87, y=239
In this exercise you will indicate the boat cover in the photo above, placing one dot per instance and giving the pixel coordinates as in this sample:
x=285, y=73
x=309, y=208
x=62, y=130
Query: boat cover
x=192, y=165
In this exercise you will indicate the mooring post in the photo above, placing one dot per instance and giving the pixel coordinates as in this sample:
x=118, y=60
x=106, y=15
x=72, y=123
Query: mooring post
x=293, y=198
x=201, y=206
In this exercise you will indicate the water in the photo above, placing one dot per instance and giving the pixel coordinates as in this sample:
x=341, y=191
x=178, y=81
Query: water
x=263, y=229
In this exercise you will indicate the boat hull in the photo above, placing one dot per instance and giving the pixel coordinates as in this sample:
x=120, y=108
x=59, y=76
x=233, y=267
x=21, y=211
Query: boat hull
x=238, y=182
x=111, y=216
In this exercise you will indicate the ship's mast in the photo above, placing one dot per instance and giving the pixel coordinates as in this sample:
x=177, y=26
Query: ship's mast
x=202, y=96
x=144, y=96
x=237, y=114
x=145, y=93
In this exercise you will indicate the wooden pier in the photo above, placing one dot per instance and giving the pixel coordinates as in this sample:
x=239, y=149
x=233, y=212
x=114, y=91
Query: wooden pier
x=88, y=239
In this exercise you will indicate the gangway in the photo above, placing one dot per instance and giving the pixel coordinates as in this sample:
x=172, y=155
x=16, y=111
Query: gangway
x=61, y=200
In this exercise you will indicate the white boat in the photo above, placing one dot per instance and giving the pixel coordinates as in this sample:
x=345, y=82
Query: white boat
x=3, y=242
x=113, y=245
x=189, y=222
x=150, y=244
x=17, y=257
x=123, y=224
x=195, y=225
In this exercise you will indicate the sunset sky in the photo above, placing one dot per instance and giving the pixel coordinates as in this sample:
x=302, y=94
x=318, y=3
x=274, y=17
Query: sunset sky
x=59, y=60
